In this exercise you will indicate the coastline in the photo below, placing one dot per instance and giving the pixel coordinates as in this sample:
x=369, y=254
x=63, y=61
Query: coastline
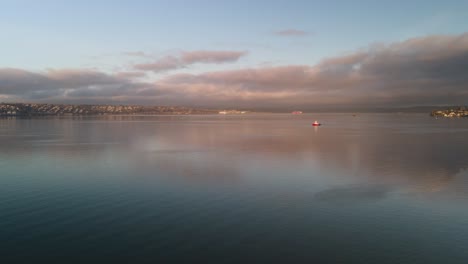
x=29, y=109
x=452, y=112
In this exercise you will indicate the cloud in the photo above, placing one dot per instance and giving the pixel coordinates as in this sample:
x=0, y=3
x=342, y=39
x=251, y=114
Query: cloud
x=291, y=33
x=63, y=84
x=428, y=70
x=136, y=54
x=165, y=64
x=130, y=74
x=419, y=71
x=190, y=57
x=209, y=56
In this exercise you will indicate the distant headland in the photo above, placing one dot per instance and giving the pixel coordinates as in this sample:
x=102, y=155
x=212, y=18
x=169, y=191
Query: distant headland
x=45, y=109
x=461, y=111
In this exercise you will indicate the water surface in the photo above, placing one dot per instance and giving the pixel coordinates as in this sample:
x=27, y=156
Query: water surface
x=371, y=188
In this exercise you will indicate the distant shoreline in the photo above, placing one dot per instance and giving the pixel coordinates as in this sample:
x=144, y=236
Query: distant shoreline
x=452, y=112
x=44, y=109
x=25, y=109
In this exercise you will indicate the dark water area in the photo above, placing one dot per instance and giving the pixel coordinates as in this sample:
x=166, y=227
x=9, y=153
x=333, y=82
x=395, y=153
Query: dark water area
x=371, y=188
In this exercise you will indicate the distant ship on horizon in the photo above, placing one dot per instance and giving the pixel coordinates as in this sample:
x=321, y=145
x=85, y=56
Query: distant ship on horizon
x=296, y=112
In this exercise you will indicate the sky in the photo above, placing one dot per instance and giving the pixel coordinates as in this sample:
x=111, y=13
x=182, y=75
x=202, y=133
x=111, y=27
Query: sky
x=239, y=54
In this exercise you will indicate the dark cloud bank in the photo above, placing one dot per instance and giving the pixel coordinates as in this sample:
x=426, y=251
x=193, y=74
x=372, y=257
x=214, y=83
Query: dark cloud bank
x=430, y=70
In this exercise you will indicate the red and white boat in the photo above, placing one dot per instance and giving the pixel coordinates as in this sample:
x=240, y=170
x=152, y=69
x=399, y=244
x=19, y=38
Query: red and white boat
x=315, y=123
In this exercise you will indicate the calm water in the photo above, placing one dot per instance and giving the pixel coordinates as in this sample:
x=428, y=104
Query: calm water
x=375, y=188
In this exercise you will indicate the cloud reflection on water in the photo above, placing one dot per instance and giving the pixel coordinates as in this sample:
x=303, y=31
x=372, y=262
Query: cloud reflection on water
x=214, y=149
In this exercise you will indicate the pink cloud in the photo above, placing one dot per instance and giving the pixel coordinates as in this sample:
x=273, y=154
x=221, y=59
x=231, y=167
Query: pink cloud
x=291, y=33
x=190, y=57
x=130, y=74
x=209, y=56
x=165, y=64
x=419, y=71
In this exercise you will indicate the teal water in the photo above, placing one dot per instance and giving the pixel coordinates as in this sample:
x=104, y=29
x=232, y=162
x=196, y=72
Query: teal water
x=374, y=188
